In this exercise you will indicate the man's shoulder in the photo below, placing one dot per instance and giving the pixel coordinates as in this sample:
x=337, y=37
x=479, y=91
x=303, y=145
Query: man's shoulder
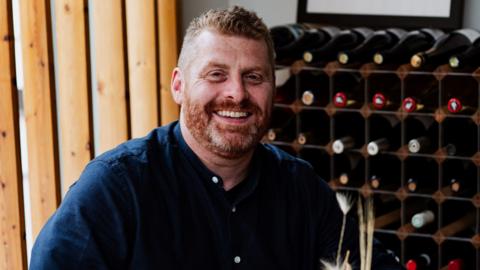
x=285, y=160
x=140, y=150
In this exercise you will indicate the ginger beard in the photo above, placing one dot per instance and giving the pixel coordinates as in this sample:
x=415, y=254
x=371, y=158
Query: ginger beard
x=228, y=141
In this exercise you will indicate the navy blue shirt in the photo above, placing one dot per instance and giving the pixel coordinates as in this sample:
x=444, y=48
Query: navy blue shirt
x=151, y=204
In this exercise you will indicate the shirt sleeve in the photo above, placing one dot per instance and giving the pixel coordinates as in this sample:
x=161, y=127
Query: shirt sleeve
x=330, y=224
x=90, y=228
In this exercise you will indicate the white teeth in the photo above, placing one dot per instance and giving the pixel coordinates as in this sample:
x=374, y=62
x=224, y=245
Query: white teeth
x=232, y=114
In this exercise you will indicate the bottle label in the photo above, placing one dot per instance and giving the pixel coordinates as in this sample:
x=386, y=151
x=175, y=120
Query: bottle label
x=471, y=34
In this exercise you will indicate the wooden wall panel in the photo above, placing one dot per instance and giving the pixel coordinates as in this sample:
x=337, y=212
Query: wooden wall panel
x=168, y=42
x=12, y=229
x=40, y=114
x=73, y=88
x=142, y=66
x=110, y=68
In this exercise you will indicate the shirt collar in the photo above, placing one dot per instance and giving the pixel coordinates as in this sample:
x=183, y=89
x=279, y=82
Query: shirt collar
x=205, y=173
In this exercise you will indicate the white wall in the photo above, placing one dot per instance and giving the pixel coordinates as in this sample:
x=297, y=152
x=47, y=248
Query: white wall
x=192, y=8
x=471, y=16
x=276, y=12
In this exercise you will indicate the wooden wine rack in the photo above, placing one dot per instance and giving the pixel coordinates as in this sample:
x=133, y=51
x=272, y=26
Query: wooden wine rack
x=465, y=128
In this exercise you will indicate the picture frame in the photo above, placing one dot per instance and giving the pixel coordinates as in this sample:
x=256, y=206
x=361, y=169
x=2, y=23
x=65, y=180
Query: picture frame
x=408, y=14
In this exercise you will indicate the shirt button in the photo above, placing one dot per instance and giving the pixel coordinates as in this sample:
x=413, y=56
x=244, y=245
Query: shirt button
x=237, y=259
x=234, y=209
x=215, y=180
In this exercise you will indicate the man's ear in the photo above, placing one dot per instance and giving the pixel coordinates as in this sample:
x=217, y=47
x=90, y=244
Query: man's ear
x=176, y=86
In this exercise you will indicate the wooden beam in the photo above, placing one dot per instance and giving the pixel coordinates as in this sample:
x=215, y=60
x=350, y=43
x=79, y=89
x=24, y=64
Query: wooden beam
x=12, y=227
x=142, y=66
x=110, y=65
x=39, y=96
x=73, y=88
x=167, y=21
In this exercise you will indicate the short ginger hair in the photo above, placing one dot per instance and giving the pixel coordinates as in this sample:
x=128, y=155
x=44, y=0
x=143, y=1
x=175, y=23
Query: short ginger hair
x=233, y=21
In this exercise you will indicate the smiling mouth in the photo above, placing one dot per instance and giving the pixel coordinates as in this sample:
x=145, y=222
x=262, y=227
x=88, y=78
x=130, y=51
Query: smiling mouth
x=233, y=114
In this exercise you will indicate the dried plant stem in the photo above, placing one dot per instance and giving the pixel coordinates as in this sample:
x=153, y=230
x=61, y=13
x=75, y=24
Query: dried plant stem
x=342, y=232
x=370, y=230
x=361, y=225
x=345, y=264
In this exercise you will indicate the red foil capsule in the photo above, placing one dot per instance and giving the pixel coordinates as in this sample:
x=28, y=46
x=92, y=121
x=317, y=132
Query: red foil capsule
x=454, y=105
x=455, y=264
x=379, y=101
x=411, y=265
x=409, y=104
x=340, y=100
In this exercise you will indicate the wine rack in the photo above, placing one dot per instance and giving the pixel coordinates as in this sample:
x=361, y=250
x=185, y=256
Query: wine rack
x=401, y=182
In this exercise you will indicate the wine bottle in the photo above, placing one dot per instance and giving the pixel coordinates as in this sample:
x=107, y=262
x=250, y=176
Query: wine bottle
x=421, y=93
x=446, y=46
x=342, y=100
x=377, y=146
x=411, y=43
x=385, y=134
x=349, y=128
x=455, y=264
x=470, y=57
x=314, y=84
x=376, y=182
x=314, y=128
x=282, y=125
x=387, y=100
x=315, y=96
x=423, y=101
x=291, y=40
x=421, y=174
x=460, y=176
x=349, y=169
x=339, y=145
x=421, y=133
x=462, y=133
x=419, y=145
x=378, y=40
x=422, y=219
x=422, y=261
x=344, y=40
x=348, y=90
x=455, y=105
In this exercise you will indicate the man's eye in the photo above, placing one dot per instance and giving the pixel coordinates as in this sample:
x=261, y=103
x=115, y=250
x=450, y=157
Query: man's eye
x=216, y=76
x=254, y=78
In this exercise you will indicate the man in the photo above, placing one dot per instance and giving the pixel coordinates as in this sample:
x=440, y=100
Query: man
x=202, y=193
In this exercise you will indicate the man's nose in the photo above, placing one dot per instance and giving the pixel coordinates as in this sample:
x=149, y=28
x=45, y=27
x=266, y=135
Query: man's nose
x=236, y=90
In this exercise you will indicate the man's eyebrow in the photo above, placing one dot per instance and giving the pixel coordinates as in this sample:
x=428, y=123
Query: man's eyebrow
x=212, y=64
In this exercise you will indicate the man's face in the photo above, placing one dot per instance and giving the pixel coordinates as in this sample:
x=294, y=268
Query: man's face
x=227, y=90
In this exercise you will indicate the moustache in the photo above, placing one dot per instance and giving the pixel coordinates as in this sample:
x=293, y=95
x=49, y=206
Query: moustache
x=228, y=105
